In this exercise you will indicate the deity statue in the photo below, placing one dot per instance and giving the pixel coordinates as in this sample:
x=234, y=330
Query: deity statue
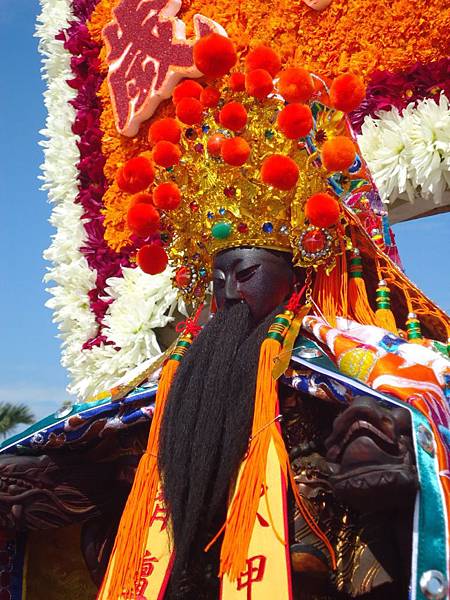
x=293, y=440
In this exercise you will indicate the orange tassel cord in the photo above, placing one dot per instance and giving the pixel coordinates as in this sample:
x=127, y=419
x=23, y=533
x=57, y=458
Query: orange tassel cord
x=357, y=293
x=129, y=547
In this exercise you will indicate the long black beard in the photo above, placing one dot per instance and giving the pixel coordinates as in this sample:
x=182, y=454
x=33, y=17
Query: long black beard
x=206, y=427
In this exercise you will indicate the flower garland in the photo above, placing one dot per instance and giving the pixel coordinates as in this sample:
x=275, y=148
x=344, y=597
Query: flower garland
x=105, y=310
x=91, y=181
x=386, y=90
x=409, y=149
x=69, y=269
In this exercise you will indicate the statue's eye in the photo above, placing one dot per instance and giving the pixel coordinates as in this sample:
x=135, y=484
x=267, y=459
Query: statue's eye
x=246, y=274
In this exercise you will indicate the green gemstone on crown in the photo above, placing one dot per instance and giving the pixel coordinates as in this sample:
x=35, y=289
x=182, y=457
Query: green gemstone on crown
x=221, y=230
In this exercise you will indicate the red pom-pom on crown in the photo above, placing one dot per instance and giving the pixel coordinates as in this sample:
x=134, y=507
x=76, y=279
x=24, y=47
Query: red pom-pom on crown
x=210, y=97
x=214, y=55
x=259, y=83
x=233, y=116
x=186, y=89
x=295, y=120
x=152, y=259
x=166, y=129
x=279, y=171
x=135, y=175
x=167, y=196
x=166, y=154
x=295, y=84
x=235, y=151
x=263, y=57
x=347, y=92
x=322, y=210
x=338, y=154
x=143, y=219
x=189, y=111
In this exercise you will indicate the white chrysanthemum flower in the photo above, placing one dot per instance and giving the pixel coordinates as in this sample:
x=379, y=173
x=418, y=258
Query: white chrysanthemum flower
x=384, y=146
x=409, y=151
x=429, y=139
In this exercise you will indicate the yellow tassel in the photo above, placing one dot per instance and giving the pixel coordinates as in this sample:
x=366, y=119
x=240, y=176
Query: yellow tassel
x=383, y=315
x=357, y=293
x=284, y=358
x=242, y=513
x=413, y=329
x=131, y=538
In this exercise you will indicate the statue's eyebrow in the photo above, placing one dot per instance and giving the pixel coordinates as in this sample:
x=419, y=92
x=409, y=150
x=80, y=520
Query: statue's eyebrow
x=247, y=271
x=234, y=263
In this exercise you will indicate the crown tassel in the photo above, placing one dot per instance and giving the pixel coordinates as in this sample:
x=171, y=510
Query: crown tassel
x=357, y=292
x=383, y=315
x=129, y=546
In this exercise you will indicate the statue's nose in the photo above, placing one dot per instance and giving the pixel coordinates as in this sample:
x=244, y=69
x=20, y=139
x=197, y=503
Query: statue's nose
x=231, y=288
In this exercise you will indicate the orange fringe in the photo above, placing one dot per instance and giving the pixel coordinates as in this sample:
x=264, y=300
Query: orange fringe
x=357, y=293
x=129, y=547
x=330, y=291
x=384, y=317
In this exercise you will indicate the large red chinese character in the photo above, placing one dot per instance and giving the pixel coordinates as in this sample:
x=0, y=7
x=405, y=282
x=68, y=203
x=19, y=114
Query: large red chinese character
x=256, y=565
x=146, y=571
x=148, y=54
x=160, y=512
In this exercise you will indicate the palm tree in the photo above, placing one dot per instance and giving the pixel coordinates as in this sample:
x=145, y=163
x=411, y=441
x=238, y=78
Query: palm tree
x=12, y=415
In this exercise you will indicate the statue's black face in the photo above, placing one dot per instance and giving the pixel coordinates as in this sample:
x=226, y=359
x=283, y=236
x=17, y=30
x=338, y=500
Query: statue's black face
x=261, y=278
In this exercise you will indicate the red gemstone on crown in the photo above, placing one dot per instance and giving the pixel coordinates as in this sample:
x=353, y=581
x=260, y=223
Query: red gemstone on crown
x=229, y=192
x=183, y=277
x=314, y=241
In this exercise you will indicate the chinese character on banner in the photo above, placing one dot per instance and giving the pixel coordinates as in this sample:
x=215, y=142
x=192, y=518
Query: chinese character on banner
x=160, y=513
x=146, y=571
x=148, y=54
x=254, y=574
x=261, y=520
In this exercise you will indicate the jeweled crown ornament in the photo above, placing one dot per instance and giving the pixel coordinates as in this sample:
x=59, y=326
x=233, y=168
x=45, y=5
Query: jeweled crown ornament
x=257, y=157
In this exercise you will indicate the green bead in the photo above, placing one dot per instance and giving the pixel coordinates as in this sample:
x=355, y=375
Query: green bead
x=283, y=321
x=221, y=230
x=356, y=275
x=184, y=344
x=386, y=305
x=275, y=336
x=383, y=293
x=414, y=335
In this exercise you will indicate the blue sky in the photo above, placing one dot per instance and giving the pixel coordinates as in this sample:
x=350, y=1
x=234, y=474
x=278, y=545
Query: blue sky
x=29, y=351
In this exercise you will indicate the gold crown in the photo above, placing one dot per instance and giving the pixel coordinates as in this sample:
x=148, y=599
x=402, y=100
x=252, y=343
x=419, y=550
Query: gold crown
x=224, y=206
